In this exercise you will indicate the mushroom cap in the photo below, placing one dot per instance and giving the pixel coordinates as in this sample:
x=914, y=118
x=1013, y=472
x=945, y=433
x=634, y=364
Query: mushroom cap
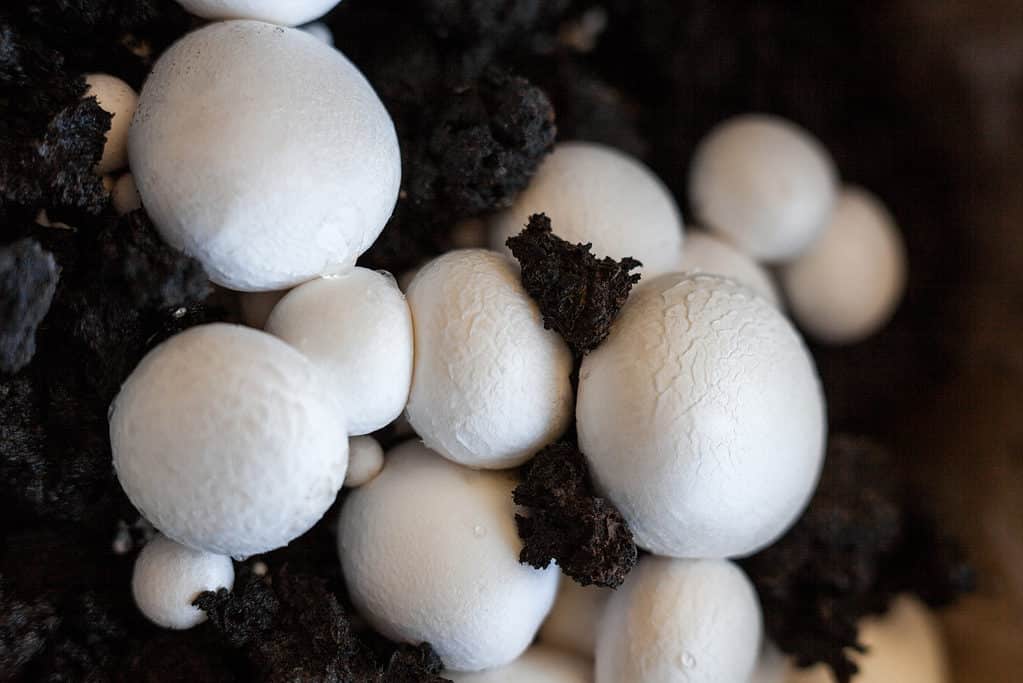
x=365, y=460
x=283, y=12
x=356, y=327
x=430, y=553
x=264, y=154
x=118, y=98
x=848, y=283
x=539, y=664
x=702, y=418
x=168, y=577
x=490, y=386
x=574, y=619
x=226, y=440
x=764, y=184
x=705, y=253
x=680, y=621
x=903, y=645
x=598, y=194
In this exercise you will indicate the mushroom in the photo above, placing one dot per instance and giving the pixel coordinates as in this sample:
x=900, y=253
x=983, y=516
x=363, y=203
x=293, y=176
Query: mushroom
x=117, y=98
x=490, y=386
x=264, y=154
x=286, y=13
x=227, y=441
x=848, y=283
x=365, y=460
x=705, y=253
x=702, y=418
x=357, y=329
x=574, y=619
x=168, y=577
x=539, y=664
x=597, y=194
x=764, y=184
x=430, y=553
x=680, y=621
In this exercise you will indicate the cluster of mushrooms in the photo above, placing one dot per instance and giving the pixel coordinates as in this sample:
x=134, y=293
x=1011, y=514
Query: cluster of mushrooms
x=261, y=151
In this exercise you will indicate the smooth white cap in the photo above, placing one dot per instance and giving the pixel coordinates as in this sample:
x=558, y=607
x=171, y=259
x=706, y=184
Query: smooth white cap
x=264, y=154
x=365, y=460
x=574, y=619
x=283, y=12
x=702, y=418
x=680, y=621
x=430, y=553
x=357, y=329
x=904, y=645
x=848, y=283
x=598, y=194
x=226, y=440
x=168, y=577
x=118, y=98
x=125, y=195
x=705, y=253
x=764, y=184
x=491, y=386
x=257, y=306
x=539, y=664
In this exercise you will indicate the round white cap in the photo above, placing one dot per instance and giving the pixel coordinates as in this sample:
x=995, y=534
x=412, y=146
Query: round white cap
x=283, y=12
x=116, y=97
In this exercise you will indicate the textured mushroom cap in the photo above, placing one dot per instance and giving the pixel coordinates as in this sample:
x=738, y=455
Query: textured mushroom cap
x=680, y=621
x=539, y=664
x=597, y=194
x=764, y=184
x=848, y=283
x=168, y=577
x=357, y=329
x=116, y=97
x=264, y=154
x=702, y=418
x=283, y=12
x=365, y=460
x=903, y=645
x=430, y=553
x=491, y=386
x=227, y=441
x=574, y=619
x=705, y=253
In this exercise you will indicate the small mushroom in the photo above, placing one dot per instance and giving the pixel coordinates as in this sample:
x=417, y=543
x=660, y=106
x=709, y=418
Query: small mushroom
x=764, y=184
x=680, y=621
x=430, y=554
x=168, y=577
x=491, y=386
x=597, y=194
x=116, y=97
x=365, y=460
x=705, y=253
x=574, y=619
x=539, y=664
x=285, y=13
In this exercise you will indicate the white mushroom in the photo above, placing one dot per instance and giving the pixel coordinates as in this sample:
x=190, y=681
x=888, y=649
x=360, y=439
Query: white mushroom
x=264, y=154
x=283, y=12
x=365, y=460
x=168, y=577
x=702, y=418
x=257, y=306
x=116, y=97
x=903, y=645
x=772, y=665
x=357, y=329
x=227, y=441
x=705, y=253
x=125, y=195
x=574, y=619
x=680, y=621
x=597, y=194
x=430, y=553
x=539, y=664
x=320, y=31
x=491, y=386
x=763, y=183
x=848, y=283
